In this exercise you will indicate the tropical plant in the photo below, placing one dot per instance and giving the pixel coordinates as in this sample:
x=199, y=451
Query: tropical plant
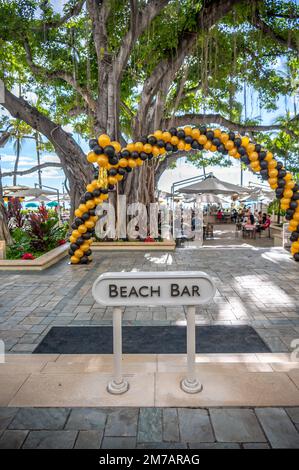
x=45, y=231
x=21, y=244
x=16, y=216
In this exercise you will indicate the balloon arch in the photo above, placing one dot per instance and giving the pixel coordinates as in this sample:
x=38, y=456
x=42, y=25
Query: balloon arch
x=114, y=162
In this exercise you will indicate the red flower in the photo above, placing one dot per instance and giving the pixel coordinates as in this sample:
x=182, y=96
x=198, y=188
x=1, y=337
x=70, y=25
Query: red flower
x=149, y=240
x=61, y=242
x=28, y=256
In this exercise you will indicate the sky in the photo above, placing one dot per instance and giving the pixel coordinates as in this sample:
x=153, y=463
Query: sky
x=54, y=176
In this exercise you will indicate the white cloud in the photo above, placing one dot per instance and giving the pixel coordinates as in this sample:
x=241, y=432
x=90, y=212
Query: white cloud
x=7, y=158
x=49, y=158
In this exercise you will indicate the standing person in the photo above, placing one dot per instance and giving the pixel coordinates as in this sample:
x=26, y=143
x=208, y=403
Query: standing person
x=234, y=215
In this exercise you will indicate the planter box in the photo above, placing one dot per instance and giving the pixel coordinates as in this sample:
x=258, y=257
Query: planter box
x=166, y=245
x=277, y=233
x=38, y=264
x=2, y=249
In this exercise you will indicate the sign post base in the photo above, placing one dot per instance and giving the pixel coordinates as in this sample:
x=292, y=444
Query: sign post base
x=193, y=386
x=118, y=388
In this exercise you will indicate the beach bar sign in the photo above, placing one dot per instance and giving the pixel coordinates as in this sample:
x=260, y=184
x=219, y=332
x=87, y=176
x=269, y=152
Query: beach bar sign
x=153, y=288
x=186, y=288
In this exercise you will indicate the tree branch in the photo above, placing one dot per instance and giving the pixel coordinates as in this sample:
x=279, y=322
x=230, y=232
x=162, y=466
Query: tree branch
x=211, y=12
x=58, y=74
x=140, y=21
x=259, y=23
x=75, y=10
x=198, y=119
x=31, y=170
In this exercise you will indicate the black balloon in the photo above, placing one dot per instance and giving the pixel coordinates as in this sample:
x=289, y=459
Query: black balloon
x=181, y=134
x=242, y=150
x=293, y=205
x=264, y=174
x=264, y=164
x=231, y=136
x=86, y=235
x=279, y=192
x=143, y=156
x=113, y=160
x=281, y=173
x=96, y=192
x=210, y=135
x=88, y=196
x=78, y=221
x=168, y=147
x=245, y=159
x=279, y=166
x=195, y=145
x=125, y=153
x=216, y=141
x=93, y=143
x=262, y=154
x=85, y=216
x=160, y=143
x=152, y=140
x=188, y=139
x=281, y=183
x=294, y=236
x=97, y=150
x=173, y=131
x=109, y=151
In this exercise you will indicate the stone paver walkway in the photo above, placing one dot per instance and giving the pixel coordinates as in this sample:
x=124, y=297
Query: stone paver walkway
x=149, y=428
x=255, y=286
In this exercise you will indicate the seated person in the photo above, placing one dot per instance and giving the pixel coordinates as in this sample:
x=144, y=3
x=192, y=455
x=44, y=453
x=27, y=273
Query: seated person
x=267, y=222
x=219, y=214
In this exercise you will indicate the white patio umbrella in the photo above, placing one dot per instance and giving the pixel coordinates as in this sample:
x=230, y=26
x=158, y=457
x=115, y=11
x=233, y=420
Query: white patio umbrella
x=33, y=192
x=40, y=198
x=212, y=185
x=210, y=199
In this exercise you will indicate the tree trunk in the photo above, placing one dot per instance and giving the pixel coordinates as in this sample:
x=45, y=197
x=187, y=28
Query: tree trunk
x=75, y=166
x=4, y=230
x=16, y=161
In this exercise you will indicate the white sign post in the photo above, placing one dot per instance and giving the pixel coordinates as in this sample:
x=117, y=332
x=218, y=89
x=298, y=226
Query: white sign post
x=150, y=289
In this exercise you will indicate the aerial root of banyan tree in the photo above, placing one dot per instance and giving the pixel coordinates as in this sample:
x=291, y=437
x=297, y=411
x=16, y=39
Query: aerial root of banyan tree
x=114, y=162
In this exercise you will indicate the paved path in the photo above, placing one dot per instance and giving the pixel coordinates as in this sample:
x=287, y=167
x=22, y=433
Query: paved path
x=256, y=286
x=128, y=428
